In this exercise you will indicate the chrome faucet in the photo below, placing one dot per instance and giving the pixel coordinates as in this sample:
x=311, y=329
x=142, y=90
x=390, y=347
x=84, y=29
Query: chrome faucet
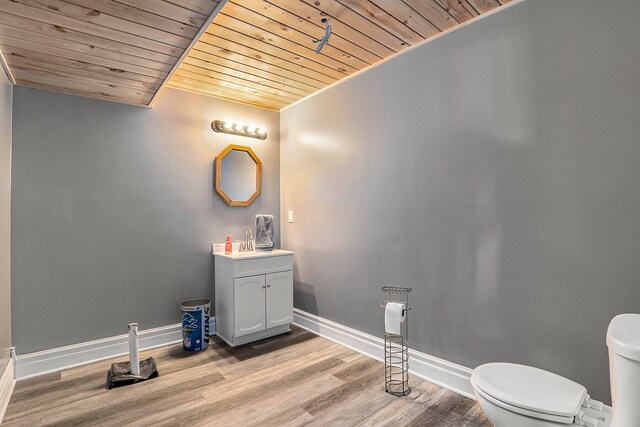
x=247, y=243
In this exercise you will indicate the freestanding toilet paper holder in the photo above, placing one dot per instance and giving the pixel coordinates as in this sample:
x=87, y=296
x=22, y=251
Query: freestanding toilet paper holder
x=396, y=347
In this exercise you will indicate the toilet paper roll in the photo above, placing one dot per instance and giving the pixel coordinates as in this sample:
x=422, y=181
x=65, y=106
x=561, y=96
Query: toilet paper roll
x=394, y=313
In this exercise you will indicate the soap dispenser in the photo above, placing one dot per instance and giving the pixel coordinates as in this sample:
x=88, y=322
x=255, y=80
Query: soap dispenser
x=228, y=246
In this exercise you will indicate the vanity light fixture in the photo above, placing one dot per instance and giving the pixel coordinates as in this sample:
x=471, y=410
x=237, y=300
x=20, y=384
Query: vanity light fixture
x=239, y=129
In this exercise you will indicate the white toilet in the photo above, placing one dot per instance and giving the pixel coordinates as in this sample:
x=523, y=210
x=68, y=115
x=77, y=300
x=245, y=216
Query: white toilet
x=522, y=396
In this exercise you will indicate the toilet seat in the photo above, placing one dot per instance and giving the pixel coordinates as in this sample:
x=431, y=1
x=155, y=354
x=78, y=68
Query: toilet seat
x=527, y=412
x=529, y=391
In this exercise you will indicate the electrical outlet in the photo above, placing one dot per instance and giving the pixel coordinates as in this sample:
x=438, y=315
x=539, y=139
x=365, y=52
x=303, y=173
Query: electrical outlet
x=290, y=216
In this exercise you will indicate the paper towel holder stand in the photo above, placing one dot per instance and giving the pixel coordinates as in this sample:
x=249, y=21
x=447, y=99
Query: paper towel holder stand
x=396, y=347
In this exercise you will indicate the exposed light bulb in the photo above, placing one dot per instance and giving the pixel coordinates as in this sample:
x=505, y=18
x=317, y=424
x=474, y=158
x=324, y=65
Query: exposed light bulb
x=227, y=126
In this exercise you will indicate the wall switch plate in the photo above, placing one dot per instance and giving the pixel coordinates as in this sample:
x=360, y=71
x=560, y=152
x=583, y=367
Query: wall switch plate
x=290, y=216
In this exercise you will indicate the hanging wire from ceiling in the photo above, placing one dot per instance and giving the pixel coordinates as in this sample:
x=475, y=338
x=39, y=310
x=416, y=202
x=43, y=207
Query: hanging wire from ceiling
x=323, y=40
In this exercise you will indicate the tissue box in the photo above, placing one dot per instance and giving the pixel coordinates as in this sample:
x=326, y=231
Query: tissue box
x=264, y=232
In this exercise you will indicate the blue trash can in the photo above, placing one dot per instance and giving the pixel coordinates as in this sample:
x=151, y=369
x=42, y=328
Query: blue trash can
x=195, y=324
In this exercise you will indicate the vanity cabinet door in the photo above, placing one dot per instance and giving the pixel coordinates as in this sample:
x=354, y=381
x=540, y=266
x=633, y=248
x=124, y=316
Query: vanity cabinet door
x=249, y=305
x=279, y=298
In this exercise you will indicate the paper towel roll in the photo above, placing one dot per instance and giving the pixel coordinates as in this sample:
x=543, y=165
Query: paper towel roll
x=394, y=313
x=134, y=357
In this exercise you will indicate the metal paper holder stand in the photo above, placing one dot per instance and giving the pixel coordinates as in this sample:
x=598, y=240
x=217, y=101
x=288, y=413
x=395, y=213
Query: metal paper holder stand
x=396, y=348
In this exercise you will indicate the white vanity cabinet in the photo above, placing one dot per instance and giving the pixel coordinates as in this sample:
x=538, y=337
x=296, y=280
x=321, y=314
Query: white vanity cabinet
x=253, y=295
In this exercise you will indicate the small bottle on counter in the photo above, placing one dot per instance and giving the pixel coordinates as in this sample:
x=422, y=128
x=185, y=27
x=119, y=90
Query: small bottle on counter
x=228, y=246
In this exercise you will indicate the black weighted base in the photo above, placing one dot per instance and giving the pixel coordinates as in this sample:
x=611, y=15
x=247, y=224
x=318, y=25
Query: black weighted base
x=120, y=373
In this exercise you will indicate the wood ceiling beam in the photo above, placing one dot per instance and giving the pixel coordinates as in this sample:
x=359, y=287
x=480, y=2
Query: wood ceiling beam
x=7, y=70
x=186, y=52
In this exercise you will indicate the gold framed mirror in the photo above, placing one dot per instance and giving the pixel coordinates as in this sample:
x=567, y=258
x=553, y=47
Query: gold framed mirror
x=238, y=175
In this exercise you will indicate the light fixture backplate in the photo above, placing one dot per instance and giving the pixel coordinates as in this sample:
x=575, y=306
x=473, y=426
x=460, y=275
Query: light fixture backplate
x=218, y=126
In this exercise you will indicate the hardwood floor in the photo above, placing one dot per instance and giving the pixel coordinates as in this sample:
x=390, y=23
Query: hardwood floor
x=296, y=379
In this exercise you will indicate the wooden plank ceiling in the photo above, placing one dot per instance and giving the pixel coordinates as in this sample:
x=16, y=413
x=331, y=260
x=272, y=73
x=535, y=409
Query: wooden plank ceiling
x=260, y=52
x=121, y=50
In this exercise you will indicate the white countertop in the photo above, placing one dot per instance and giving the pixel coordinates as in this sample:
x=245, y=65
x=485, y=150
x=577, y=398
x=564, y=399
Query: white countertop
x=255, y=254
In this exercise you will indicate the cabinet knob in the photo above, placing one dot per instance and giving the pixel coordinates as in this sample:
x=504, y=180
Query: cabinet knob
x=268, y=286
x=263, y=286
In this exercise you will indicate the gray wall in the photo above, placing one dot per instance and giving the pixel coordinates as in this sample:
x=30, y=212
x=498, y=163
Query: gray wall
x=495, y=170
x=114, y=210
x=6, y=92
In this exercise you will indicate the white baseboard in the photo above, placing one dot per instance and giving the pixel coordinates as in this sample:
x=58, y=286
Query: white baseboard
x=441, y=372
x=44, y=362
x=7, y=382
x=446, y=374
x=212, y=326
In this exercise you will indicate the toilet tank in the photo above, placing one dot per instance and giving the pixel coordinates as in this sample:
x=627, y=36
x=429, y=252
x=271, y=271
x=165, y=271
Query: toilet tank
x=623, y=340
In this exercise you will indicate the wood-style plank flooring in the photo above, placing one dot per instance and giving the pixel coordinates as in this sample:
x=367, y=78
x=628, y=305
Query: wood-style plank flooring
x=296, y=379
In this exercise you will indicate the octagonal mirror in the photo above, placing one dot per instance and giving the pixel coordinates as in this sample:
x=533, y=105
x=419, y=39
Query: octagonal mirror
x=238, y=175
